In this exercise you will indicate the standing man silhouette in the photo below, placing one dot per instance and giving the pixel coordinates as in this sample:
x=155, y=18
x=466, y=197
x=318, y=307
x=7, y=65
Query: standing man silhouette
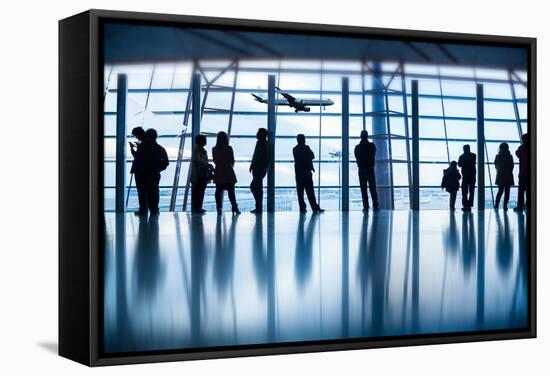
x=303, y=169
x=152, y=159
x=365, y=154
x=467, y=163
x=258, y=168
x=523, y=185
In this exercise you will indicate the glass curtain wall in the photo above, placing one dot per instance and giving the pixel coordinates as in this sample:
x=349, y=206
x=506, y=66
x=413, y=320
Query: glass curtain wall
x=379, y=102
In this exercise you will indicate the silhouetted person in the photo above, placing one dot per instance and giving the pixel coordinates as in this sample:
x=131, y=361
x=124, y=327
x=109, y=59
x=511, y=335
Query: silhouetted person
x=258, y=168
x=365, y=153
x=504, y=164
x=451, y=183
x=303, y=169
x=224, y=176
x=523, y=184
x=467, y=162
x=151, y=159
x=139, y=134
x=200, y=170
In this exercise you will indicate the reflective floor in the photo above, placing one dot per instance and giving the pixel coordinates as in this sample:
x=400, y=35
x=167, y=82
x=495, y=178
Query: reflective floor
x=183, y=281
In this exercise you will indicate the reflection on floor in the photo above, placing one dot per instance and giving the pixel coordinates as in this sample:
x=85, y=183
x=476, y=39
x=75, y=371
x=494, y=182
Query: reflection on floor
x=181, y=281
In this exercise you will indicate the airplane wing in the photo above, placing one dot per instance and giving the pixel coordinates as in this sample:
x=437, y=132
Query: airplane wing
x=257, y=98
x=287, y=96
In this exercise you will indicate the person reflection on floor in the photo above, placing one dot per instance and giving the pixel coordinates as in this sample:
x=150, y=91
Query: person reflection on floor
x=468, y=243
x=450, y=237
x=149, y=266
x=304, y=250
x=504, y=243
x=224, y=257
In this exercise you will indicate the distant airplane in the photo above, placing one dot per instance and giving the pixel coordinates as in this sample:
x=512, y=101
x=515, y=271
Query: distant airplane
x=296, y=103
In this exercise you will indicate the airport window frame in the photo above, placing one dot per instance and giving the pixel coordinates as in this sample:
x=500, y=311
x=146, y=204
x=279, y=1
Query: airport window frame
x=218, y=69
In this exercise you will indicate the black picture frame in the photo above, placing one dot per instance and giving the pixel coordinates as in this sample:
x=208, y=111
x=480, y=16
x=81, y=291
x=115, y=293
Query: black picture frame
x=80, y=196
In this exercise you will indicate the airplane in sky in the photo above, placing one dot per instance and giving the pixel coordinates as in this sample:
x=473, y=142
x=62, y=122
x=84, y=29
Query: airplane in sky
x=297, y=103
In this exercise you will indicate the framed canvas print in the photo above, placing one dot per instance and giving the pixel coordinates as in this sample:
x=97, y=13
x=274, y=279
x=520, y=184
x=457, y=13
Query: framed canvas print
x=242, y=187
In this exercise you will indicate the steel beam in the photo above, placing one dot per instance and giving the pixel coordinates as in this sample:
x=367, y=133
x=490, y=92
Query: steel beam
x=480, y=148
x=345, y=144
x=120, y=168
x=272, y=131
x=406, y=124
x=480, y=273
x=415, y=199
x=196, y=115
x=196, y=112
x=381, y=138
x=181, y=147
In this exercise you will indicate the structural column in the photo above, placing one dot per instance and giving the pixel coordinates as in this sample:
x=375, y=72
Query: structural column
x=415, y=298
x=379, y=133
x=480, y=265
x=345, y=144
x=196, y=109
x=272, y=131
x=415, y=199
x=480, y=148
x=120, y=167
x=345, y=277
x=195, y=126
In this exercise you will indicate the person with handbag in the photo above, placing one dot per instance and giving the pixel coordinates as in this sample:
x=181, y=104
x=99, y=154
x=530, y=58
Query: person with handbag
x=200, y=171
x=224, y=175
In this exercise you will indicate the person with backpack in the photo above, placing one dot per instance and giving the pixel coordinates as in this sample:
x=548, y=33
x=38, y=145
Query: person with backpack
x=151, y=159
x=451, y=183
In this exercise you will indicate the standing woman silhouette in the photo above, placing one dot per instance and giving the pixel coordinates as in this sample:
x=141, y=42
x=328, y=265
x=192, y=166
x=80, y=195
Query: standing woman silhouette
x=199, y=174
x=504, y=164
x=224, y=175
